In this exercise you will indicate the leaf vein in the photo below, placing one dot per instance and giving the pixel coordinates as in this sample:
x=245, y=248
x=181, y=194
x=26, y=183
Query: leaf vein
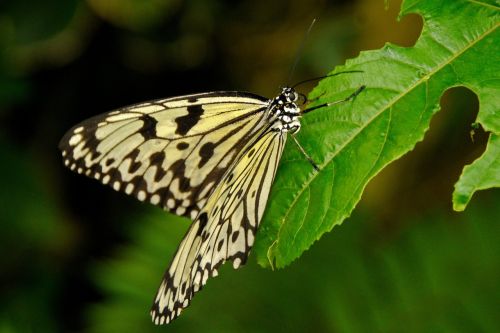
x=376, y=115
x=484, y=4
x=364, y=180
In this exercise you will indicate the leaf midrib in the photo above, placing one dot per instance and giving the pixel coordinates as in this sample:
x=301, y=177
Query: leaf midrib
x=484, y=4
x=389, y=105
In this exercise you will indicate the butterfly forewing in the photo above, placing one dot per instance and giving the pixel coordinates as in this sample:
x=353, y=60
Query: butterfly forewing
x=170, y=152
x=225, y=228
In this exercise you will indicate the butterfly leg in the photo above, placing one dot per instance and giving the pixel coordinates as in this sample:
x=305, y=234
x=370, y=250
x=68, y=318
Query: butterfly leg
x=348, y=98
x=315, y=166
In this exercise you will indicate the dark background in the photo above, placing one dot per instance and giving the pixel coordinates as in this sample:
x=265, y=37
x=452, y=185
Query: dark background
x=77, y=256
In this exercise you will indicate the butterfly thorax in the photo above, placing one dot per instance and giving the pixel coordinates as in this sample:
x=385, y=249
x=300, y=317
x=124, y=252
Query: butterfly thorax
x=284, y=111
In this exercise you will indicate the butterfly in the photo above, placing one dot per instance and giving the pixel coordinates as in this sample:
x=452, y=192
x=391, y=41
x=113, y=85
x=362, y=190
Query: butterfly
x=211, y=157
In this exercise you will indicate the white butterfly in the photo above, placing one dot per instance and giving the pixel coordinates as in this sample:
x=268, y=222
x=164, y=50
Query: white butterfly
x=211, y=157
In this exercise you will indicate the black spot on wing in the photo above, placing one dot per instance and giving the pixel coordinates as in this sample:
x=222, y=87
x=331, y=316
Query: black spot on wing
x=148, y=130
x=185, y=123
x=109, y=161
x=95, y=154
x=157, y=160
x=203, y=218
x=179, y=170
x=135, y=165
x=184, y=185
x=206, y=152
x=182, y=145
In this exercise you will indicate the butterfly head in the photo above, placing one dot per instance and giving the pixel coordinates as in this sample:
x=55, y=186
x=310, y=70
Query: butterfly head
x=285, y=111
x=289, y=94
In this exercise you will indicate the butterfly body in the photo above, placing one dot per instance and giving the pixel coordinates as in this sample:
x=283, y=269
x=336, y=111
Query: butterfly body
x=284, y=108
x=211, y=157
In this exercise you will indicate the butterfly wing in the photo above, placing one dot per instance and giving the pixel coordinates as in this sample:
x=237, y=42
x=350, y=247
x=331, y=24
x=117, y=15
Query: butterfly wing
x=170, y=152
x=224, y=229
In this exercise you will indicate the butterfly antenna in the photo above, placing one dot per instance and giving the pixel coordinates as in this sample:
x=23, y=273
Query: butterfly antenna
x=324, y=77
x=299, y=51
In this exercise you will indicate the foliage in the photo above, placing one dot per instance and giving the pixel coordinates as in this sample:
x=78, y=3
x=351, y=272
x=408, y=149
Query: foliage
x=459, y=46
x=30, y=260
x=80, y=257
x=482, y=174
x=438, y=273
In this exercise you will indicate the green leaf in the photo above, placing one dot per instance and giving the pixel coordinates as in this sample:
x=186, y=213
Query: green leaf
x=437, y=274
x=352, y=142
x=482, y=174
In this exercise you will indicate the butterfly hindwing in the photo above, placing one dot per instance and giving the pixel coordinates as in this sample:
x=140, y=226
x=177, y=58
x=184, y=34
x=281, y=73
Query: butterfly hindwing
x=170, y=152
x=224, y=229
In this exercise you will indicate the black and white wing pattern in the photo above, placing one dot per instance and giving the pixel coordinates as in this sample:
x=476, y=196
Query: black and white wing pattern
x=211, y=157
x=224, y=229
x=168, y=152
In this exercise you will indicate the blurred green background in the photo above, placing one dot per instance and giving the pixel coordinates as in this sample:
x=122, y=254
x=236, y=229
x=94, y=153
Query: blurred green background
x=78, y=257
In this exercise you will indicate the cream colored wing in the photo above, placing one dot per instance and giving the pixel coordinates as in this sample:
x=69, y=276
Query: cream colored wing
x=224, y=229
x=169, y=152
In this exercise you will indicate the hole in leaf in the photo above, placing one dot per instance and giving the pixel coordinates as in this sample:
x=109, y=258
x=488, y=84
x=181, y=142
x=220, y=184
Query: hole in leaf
x=423, y=179
x=378, y=25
